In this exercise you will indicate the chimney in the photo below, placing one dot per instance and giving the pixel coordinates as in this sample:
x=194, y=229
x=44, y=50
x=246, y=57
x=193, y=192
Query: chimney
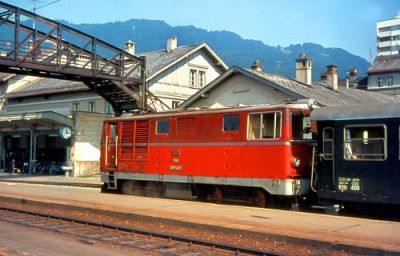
x=303, y=69
x=332, y=77
x=130, y=47
x=352, y=73
x=172, y=43
x=256, y=65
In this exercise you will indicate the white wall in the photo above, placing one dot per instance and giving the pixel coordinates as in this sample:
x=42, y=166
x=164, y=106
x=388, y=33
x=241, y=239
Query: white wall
x=174, y=83
x=86, y=142
x=241, y=90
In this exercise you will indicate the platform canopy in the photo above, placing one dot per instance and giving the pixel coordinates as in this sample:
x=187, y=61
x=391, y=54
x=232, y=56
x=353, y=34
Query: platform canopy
x=38, y=120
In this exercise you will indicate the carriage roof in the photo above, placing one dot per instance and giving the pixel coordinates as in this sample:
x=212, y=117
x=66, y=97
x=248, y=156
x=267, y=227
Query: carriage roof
x=363, y=111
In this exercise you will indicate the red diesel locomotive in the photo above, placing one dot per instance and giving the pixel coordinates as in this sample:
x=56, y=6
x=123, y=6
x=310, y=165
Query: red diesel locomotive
x=251, y=153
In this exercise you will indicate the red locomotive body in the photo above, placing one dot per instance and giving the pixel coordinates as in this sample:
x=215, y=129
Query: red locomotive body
x=258, y=151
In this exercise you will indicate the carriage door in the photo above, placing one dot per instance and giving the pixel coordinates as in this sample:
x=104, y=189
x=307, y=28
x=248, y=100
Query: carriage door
x=111, y=146
x=327, y=169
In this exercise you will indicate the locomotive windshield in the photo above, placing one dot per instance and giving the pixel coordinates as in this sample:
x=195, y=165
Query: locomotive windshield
x=301, y=126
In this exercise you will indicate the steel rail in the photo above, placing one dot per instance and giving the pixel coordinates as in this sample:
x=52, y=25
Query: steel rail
x=169, y=237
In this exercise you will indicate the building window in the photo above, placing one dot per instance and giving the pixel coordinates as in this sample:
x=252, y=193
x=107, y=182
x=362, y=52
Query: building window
x=197, y=78
x=231, y=123
x=264, y=126
x=327, y=144
x=75, y=106
x=108, y=108
x=202, y=78
x=162, y=126
x=380, y=81
x=389, y=81
x=365, y=142
x=175, y=104
x=384, y=29
x=193, y=74
x=92, y=106
x=384, y=39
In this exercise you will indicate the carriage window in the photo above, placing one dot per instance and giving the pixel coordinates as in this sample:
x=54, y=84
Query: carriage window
x=162, y=126
x=327, y=144
x=365, y=142
x=264, y=126
x=301, y=127
x=231, y=123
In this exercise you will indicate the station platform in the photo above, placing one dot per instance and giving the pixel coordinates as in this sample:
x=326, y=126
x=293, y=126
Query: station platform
x=62, y=180
x=376, y=236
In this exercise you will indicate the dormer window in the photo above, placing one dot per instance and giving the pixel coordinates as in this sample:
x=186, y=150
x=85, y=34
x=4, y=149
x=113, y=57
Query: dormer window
x=193, y=75
x=202, y=78
x=197, y=77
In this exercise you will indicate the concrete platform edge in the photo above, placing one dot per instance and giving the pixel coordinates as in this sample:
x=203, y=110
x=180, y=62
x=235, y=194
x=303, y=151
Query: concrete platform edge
x=55, y=183
x=294, y=240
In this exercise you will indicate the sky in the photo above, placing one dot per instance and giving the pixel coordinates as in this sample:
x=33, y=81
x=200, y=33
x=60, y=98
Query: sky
x=348, y=24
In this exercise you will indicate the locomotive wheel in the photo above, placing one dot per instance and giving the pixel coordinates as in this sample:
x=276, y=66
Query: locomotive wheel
x=155, y=190
x=128, y=187
x=217, y=195
x=260, y=199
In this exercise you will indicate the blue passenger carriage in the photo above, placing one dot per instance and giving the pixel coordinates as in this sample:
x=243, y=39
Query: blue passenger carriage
x=358, y=158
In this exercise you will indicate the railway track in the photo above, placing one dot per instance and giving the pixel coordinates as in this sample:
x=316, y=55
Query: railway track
x=142, y=241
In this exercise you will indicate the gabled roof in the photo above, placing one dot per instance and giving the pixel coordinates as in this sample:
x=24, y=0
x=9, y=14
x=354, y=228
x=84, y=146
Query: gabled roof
x=295, y=89
x=44, y=86
x=158, y=61
x=385, y=64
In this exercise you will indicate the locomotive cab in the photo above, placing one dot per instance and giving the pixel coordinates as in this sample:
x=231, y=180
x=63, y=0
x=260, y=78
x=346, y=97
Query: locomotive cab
x=358, y=159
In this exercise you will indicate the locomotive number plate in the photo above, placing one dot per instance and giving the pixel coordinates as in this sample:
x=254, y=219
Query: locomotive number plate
x=347, y=184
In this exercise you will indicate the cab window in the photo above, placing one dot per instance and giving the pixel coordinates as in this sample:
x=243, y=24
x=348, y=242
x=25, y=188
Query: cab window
x=162, y=126
x=231, y=122
x=264, y=125
x=301, y=127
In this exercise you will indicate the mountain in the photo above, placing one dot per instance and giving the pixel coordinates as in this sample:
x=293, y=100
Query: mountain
x=150, y=35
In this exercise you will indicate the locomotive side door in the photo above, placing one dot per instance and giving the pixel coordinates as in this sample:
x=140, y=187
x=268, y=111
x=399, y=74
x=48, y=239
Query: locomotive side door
x=111, y=142
x=327, y=160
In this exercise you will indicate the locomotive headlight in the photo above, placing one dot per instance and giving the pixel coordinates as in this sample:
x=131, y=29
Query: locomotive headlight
x=296, y=162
